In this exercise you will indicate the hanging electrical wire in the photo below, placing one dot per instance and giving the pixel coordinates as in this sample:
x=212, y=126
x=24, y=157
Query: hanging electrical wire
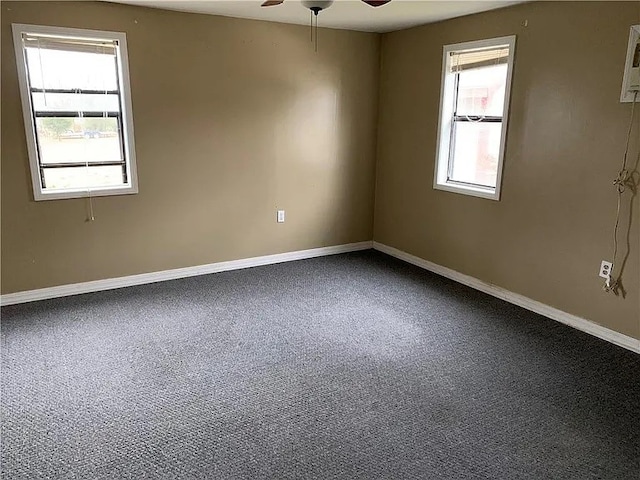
x=623, y=180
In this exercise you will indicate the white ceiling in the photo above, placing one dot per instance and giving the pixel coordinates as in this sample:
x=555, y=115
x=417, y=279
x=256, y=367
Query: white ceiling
x=345, y=14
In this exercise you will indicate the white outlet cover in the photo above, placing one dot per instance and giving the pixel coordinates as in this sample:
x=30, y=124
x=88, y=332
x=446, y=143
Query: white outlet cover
x=605, y=269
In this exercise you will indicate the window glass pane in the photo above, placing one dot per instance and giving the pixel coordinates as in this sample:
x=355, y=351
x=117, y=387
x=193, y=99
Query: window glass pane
x=78, y=139
x=63, y=69
x=82, y=177
x=481, y=91
x=476, y=147
x=74, y=102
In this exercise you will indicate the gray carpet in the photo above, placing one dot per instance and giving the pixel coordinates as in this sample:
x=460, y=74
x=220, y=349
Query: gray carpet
x=351, y=366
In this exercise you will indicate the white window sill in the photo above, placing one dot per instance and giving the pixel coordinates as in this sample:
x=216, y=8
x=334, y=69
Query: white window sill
x=101, y=192
x=474, y=191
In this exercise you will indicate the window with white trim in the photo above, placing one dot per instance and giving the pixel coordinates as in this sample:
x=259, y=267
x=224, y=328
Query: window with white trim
x=474, y=105
x=76, y=104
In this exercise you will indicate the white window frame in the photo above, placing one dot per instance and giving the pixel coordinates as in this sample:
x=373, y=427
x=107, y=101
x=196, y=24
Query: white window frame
x=131, y=187
x=445, y=123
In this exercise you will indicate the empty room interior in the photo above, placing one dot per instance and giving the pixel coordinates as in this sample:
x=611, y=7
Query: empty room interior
x=313, y=239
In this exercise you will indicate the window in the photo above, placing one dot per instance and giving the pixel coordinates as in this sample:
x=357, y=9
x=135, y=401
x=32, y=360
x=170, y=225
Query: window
x=76, y=103
x=474, y=102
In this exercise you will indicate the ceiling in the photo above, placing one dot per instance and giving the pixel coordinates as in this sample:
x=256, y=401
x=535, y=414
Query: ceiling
x=345, y=14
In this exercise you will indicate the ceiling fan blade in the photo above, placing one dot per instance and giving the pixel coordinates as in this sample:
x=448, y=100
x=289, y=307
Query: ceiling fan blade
x=376, y=3
x=272, y=3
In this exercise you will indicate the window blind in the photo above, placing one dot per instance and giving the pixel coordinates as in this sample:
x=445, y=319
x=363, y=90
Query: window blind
x=70, y=44
x=471, y=59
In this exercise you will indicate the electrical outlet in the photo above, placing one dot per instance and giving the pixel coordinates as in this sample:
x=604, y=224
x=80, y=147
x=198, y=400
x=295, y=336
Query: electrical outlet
x=605, y=269
x=280, y=217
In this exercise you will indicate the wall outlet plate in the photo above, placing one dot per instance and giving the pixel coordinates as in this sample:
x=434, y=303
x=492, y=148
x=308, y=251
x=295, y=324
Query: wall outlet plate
x=605, y=269
x=280, y=216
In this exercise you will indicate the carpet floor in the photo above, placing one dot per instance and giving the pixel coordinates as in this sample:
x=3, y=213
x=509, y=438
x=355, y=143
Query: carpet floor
x=343, y=367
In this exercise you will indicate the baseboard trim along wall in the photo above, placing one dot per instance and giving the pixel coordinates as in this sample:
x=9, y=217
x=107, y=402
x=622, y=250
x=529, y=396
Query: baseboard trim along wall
x=152, y=277
x=579, y=323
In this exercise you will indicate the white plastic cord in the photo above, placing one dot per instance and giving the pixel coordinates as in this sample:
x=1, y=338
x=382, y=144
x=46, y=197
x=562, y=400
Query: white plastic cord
x=91, y=217
x=90, y=202
x=621, y=182
x=44, y=89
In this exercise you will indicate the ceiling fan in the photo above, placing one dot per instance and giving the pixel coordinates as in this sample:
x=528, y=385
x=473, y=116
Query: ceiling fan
x=320, y=5
x=316, y=6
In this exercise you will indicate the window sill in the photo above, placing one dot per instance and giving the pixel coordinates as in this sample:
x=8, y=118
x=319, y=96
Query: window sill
x=102, y=192
x=474, y=191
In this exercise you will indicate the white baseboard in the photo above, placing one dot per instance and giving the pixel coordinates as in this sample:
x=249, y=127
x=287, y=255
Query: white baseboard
x=579, y=323
x=111, y=283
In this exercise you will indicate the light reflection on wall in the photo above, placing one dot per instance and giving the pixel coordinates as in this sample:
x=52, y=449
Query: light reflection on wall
x=314, y=120
x=311, y=147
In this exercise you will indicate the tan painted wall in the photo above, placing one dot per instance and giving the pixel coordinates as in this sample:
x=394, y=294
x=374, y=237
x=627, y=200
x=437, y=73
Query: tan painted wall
x=546, y=237
x=233, y=119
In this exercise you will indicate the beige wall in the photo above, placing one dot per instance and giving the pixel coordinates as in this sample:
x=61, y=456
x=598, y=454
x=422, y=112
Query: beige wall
x=233, y=119
x=546, y=237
